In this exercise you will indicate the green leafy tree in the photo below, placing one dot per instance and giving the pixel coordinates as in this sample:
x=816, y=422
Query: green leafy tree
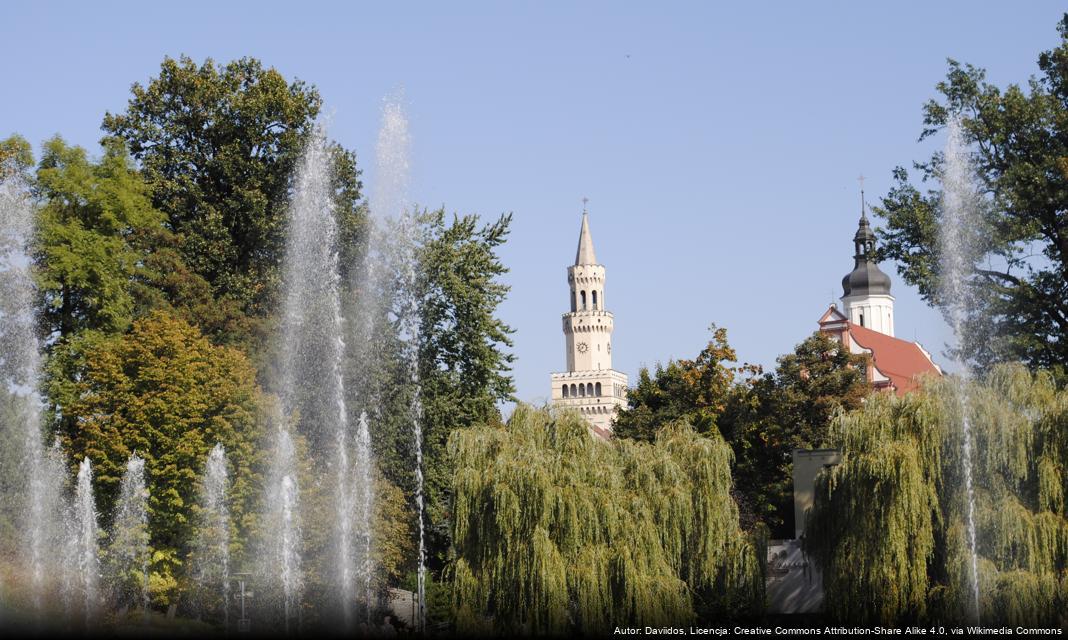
x=217, y=145
x=888, y=525
x=93, y=238
x=559, y=532
x=463, y=360
x=770, y=416
x=693, y=391
x=1019, y=137
x=164, y=391
x=16, y=156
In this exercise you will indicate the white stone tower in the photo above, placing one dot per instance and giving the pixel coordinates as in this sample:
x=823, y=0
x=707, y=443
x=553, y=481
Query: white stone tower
x=589, y=385
x=867, y=300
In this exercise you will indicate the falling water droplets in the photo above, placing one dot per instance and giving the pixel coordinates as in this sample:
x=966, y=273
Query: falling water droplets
x=957, y=243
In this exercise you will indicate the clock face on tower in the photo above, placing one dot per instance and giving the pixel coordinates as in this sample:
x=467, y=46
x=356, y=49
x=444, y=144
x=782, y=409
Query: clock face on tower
x=583, y=347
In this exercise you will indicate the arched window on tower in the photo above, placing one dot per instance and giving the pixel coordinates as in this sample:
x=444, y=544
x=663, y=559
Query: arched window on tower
x=597, y=388
x=574, y=305
x=574, y=393
x=582, y=391
x=565, y=390
x=595, y=300
x=589, y=389
x=583, y=300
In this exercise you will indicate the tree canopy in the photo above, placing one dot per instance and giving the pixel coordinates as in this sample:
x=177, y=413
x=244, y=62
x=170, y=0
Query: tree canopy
x=464, y=362
x=164, y=391
x=93, y=236
x=1019, y=138
x=791, y=408
x=559, y=532
x=908, y=558
x=762, y=416
x=693, y=391
x=217, y=146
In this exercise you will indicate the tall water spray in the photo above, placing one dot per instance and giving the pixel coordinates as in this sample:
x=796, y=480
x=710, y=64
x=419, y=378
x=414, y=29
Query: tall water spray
x=389, y=205
x=959, y=210
x=212, y=543
x=85, y=546
x=313, y=357
x=283, y=563
x=35, y=500
x=365, y=505
x=128, y=550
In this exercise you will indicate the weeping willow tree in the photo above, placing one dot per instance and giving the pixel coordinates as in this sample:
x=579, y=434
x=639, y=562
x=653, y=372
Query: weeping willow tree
x=889, y=523
x=557, y=531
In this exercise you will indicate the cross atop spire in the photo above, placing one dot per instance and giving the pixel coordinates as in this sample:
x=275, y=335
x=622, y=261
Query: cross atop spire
x=585, y=200
x=861, y=180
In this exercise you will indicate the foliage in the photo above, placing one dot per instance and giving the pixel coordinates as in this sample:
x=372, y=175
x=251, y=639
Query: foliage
x=164, y=391
x=16, y=156
x=217, y=145
x=556, y=531
x=888, y=525
x=1020, y=139
x=763, y=417
x=463, y=363
x=694, y=391
x=392, y=544
x=770, y=416
x=92, y=237
x=12, y=409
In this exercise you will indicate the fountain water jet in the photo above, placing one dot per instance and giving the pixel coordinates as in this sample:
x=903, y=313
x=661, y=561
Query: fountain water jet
x=283, y=564
x=313, y=353
x=389, y=205
x=365, y=507
x=959, y=206
x=36, y=503
x=84, y=543
x=128, y=555
x=212, y=543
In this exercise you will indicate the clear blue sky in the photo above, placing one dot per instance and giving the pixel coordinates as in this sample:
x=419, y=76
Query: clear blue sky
x=718, y=145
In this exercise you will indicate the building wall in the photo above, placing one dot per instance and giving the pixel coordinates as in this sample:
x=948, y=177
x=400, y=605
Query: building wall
x=599, y=410
x=587, y=326
x=794, y=582
x=876, y=312
x=807, y=465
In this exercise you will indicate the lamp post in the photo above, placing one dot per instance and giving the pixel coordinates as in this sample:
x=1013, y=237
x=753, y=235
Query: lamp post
x=244, y=624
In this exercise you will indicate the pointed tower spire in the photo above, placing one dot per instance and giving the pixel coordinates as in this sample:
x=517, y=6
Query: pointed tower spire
x=866, y=298
x=585, y=254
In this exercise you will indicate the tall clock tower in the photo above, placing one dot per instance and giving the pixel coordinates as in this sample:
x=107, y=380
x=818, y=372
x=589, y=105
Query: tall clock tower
x=590, y=385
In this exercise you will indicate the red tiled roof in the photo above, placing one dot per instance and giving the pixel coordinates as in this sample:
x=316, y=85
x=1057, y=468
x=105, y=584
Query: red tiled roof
x=600, y=432
x=900, y=360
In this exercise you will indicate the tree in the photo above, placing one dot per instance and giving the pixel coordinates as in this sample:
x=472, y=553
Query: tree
x=693, y=391
x=93, y=235
x=165, y=392
x=889, y=524
x=217, y=145
x=462, y=350
x=16, y=156
x=1020, y=142
x=792, y=408
x=558, y=532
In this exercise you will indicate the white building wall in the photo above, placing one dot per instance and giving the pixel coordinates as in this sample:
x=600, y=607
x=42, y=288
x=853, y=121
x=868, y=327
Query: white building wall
x=588, y=330
x=875, y=312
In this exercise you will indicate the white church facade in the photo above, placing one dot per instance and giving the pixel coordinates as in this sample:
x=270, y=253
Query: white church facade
x=589, y=385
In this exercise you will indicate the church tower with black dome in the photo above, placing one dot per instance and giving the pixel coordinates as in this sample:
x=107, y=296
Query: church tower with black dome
x=866, y=300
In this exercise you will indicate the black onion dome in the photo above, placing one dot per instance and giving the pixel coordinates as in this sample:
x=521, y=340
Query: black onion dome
x=865, y=278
